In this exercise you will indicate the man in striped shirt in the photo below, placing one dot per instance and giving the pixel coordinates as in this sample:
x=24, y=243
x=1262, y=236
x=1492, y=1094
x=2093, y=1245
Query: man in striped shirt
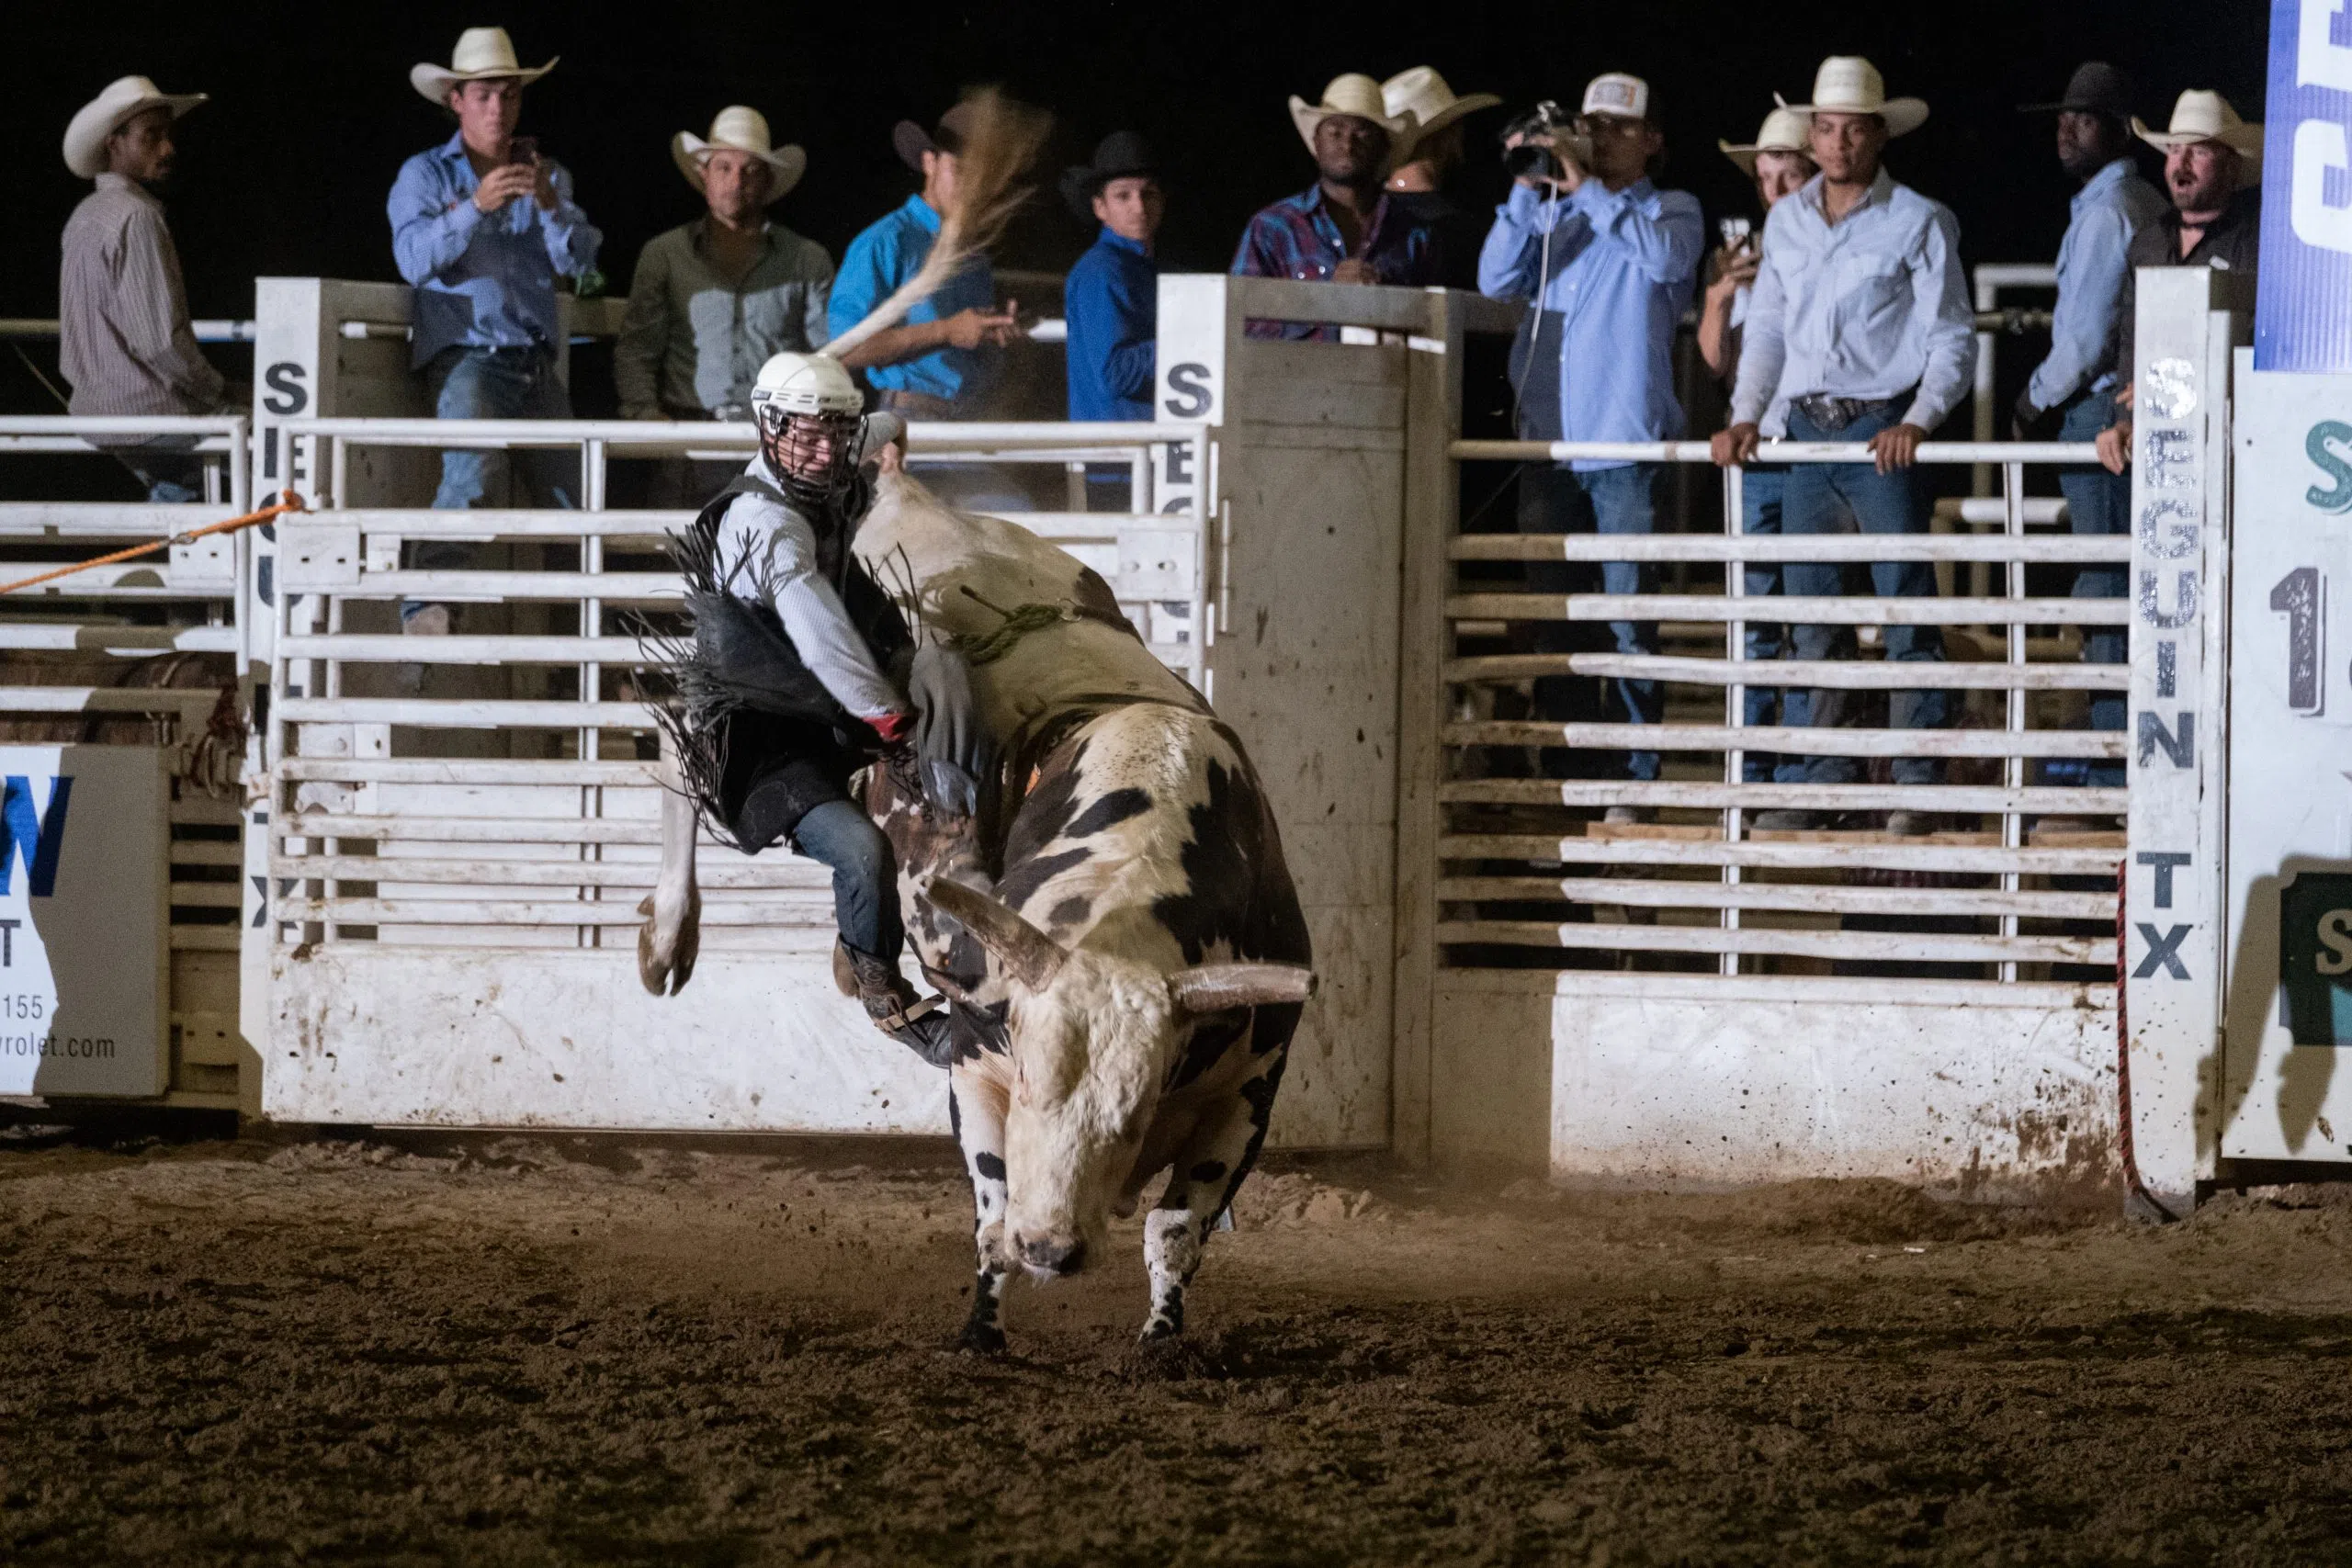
x=124, y=341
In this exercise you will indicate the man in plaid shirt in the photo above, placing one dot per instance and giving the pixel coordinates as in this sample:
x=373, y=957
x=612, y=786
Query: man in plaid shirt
x=1344, y=228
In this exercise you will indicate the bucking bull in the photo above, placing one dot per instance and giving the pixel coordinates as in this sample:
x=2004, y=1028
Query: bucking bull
x=1117, y=936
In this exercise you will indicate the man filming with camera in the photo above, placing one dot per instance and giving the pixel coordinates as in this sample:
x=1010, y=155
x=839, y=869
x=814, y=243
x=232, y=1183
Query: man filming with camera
x=1610, y=259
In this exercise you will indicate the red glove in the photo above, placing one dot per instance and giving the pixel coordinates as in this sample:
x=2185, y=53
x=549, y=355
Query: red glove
x=895, y=728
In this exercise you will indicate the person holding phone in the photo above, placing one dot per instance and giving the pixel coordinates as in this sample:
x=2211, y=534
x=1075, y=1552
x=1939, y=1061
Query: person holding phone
x=1780, y=161
x=483, y=226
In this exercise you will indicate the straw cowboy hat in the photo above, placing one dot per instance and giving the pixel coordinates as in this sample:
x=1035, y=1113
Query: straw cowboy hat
x=1785, y=131
x=1847, y=84
x=86, y=133
x=1423, y=94
x=738, y=130
x=483, y=54
x=1358, y=94
x=2199, y=116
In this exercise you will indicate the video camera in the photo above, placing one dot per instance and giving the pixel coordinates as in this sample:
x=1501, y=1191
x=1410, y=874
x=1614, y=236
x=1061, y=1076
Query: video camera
x=1549, y=134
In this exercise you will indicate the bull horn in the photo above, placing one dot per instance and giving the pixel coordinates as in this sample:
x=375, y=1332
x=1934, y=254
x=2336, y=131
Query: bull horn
x=1221, y=987
x=1028, y=954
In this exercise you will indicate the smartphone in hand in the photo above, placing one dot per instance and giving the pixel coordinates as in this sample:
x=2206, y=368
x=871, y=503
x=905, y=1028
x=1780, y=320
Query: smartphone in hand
x=522, y=149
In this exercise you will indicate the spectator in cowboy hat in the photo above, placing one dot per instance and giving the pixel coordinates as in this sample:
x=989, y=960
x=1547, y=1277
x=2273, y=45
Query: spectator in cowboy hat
x=1344, y=228
x=1418, y=183
x=483, y=225
x=1779, y=161
x=1610, y=260
x=1859, y=330
x=940, y=362
x=2213, y=174
x=124, y=342
x=1111, y=296
x=715, y=298
x=2071, y=394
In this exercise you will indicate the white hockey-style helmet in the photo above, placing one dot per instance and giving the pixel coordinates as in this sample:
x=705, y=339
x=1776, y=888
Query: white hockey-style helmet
x=812, y=384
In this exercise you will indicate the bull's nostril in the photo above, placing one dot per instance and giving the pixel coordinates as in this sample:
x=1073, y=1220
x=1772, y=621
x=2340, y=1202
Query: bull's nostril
x=1056, y=1257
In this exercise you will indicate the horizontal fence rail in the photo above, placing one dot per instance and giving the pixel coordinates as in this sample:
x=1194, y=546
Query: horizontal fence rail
x=493, y=787
x=1980, y=850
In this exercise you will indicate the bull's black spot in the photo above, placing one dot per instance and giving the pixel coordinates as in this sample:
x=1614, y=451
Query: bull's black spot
x=1044, y=817
x=990, y=1167
x=1237, y=893
x=1210, y=1039
x=1069, y=912
x=979, y=1029
x=1208, y=1170
x=955, y=1115
x=1023, y=876
x=1108, y=812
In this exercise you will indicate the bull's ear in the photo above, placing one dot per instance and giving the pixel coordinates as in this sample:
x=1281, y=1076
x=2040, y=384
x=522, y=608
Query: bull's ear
x=1221, y=987
x=1028, y=954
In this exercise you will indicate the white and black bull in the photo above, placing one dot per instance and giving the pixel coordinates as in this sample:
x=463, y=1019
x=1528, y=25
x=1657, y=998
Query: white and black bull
x=1121, y=943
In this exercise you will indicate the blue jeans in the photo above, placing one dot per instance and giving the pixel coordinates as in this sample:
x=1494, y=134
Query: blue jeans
x=467, y=382
x=1608, y=501
x=838, y=833
x=1895, y=503
x=1760, y=490
x=2097, y=502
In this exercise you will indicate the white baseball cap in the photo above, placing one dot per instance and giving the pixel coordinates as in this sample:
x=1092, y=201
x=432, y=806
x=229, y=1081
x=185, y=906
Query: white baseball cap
x=1615, y=93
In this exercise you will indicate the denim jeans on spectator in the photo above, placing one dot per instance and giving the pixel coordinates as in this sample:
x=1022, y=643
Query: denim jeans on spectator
x=1896, y=502
x=840, y=834
x=2097, y=502
x=494, y=383
x=1607, y=500
x=1761, y=488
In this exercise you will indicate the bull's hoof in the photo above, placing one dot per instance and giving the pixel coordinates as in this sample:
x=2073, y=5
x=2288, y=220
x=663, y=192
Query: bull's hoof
x=1160, y=1330
x=981, y=1339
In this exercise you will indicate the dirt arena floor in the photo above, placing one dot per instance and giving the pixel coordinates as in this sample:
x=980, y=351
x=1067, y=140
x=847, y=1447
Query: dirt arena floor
x=529, y=1350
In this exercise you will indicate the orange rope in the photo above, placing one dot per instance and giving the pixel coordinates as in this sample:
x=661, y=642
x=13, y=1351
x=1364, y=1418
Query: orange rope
x=289, y=502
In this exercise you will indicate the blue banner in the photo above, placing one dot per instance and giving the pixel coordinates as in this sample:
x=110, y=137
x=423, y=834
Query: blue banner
x=2304, y=314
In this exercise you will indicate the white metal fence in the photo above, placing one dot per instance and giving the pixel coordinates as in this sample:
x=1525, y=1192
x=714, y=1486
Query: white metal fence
x=1699, y=886
x=493, y=787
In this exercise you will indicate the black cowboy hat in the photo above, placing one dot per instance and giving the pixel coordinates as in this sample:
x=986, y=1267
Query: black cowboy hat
x=911, y=141
x=2095, y=88
x=1122, y=156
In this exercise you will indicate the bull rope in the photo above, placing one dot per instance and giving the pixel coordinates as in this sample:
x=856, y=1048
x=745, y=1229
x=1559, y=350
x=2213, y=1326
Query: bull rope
x=289, y=502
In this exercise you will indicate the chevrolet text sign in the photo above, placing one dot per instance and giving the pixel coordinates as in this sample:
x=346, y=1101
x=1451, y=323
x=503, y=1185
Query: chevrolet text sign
x=2303, y=318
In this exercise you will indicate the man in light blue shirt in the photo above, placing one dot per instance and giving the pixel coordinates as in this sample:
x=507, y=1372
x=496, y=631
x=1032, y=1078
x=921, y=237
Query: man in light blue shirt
x=1860, y=331
x=942, y=360
x=2071, y=396
x=481, y=226
x=1614, y=260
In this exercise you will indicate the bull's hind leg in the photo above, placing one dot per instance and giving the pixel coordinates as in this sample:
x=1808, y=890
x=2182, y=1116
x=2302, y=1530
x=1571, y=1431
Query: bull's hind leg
x=975, y=1110
x=1209, y=1170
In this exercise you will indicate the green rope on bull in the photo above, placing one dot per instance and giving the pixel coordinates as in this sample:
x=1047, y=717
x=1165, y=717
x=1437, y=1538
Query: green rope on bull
x=1017, y=623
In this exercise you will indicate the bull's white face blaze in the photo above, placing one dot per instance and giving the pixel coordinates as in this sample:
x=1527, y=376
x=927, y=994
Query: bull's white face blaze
x=1089, y=1053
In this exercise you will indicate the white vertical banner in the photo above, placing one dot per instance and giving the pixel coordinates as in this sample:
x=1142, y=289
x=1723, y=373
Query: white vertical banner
x=1188, y=380
x=83, y=919
x=2289, y=1007
x=2173, y=929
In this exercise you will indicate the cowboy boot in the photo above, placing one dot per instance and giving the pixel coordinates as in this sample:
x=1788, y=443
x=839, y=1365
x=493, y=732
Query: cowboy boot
x=917, y=1022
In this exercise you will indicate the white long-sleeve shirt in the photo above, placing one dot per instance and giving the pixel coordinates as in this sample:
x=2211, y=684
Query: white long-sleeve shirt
x=1870, y=307
x=767, y=554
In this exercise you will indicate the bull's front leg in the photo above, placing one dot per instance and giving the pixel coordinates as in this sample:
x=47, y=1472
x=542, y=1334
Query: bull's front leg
x=1208, y=1171
x=976, y=1108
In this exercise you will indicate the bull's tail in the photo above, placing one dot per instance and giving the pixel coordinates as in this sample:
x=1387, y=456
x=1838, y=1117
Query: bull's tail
x=1004, y=139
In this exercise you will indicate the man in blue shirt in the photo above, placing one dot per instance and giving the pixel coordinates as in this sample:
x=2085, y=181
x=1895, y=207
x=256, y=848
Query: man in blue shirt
x=1860, y=331
x=1111, y=296
x=940, y=362
x=2071, y=396
x=1611, y=259
x=481, y=227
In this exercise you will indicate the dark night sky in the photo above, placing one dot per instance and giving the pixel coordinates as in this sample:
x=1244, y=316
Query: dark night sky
x=285, y=172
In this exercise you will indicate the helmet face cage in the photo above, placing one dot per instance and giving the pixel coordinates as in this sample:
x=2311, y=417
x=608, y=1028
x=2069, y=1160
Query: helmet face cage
x=790, y=441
